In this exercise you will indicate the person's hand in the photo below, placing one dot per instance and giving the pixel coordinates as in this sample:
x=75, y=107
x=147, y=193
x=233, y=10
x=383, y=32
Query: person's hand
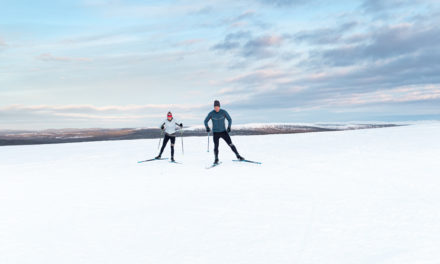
x=208, y=129
x=162, y=127
x=229, y=129
x=181, y=125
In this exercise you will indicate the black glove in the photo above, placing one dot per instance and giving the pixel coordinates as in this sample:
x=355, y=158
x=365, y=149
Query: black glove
x=162, y=127
x=181, y=125
x=229, y=130
x=208, y=129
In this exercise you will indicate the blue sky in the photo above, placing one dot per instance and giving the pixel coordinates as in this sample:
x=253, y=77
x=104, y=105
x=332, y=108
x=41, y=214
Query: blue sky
x=110, y=63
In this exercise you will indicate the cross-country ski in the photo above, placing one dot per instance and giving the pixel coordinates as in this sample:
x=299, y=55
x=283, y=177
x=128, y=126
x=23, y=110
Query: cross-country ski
x=248, y=161
x=148, y=160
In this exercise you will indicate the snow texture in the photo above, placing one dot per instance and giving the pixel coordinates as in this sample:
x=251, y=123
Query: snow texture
x=358, y=196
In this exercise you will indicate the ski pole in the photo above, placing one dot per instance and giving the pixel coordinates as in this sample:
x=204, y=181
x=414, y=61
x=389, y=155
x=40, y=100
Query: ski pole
x=160, y=139
x=208, y=141
x=181, y=137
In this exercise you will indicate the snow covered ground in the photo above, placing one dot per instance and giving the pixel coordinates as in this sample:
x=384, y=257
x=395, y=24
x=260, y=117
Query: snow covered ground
x=361, y=196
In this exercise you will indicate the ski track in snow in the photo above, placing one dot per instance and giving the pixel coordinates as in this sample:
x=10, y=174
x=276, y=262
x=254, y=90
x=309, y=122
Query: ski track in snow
x=361, y=196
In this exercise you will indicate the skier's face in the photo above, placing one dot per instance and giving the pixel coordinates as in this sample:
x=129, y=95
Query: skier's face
x=217, y=108
x=169, y=118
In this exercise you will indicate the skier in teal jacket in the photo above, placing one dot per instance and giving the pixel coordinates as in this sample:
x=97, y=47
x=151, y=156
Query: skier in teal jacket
x=218, y=117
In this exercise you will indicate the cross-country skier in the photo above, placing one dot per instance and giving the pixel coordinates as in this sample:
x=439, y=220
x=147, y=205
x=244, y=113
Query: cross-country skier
x=169, y=126
x=218, y=117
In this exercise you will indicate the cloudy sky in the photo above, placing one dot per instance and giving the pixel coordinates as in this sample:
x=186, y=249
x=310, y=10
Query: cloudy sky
x=125, y=63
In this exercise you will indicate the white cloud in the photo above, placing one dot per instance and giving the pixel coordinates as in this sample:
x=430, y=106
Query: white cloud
x=62, y=116
x=50, y=57
x=3, y=43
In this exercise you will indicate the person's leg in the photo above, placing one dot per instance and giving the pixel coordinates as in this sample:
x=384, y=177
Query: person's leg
x=165, y=141
x=228, y=140
x=173, y=141
x=216, y=143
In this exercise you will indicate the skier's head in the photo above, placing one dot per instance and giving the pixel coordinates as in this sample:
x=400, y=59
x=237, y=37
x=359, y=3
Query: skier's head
x=169, y=116
x=217, y=105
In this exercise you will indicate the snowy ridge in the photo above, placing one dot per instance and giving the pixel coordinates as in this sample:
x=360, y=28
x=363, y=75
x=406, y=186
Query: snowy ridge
x=304, y=126
x=70, y=135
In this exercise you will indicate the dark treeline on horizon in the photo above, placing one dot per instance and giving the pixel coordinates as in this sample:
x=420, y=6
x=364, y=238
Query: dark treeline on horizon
x=88, y=135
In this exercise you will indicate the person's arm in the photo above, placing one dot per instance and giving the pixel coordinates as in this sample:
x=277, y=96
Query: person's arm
x=229, y=120
x=208, y=117
x=178, y=124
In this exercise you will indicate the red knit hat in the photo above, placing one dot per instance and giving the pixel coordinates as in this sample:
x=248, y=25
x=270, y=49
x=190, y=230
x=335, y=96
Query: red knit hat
x=169, y=114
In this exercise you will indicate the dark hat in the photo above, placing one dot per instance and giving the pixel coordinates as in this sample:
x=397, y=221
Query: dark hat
x=216, y=103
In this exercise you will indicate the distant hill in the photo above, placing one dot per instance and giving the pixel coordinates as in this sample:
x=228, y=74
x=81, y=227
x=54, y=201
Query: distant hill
x=51, y=136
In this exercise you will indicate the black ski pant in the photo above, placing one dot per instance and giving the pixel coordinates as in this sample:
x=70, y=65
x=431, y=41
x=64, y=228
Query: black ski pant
x=167, y=137
x=227, y=138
